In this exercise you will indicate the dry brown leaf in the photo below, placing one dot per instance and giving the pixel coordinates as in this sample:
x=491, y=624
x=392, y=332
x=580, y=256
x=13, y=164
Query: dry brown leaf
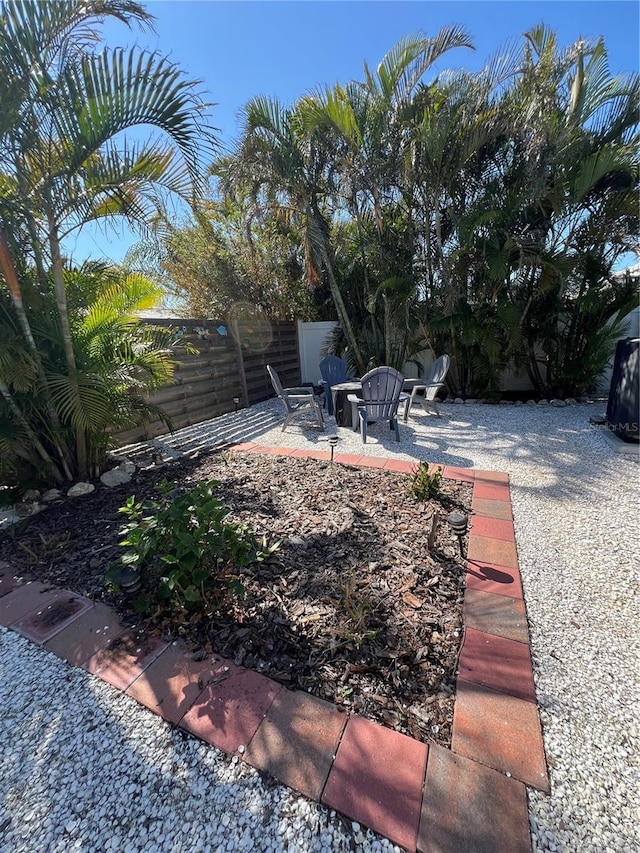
x=411, y=600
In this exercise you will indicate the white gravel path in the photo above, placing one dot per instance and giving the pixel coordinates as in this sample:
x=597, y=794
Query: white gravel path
x=82, y=768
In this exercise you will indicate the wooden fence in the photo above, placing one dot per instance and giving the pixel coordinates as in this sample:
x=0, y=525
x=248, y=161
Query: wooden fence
x=230, y=363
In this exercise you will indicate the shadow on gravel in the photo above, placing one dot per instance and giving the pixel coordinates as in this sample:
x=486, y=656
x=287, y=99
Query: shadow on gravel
x=555, y=442
x=83, y=768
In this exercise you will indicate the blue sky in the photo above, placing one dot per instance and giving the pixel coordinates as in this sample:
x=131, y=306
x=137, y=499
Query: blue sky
x=284, y=49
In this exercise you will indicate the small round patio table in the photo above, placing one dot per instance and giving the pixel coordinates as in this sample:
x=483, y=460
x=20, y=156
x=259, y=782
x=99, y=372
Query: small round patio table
x=341, y=406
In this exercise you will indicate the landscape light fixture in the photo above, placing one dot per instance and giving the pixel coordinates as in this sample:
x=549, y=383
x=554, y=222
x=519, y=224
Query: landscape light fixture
x=236, y=403
x=458, y=523
x=333, y=440
x=129, y=580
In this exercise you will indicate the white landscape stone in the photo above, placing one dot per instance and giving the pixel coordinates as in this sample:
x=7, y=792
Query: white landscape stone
x=127, y=466
x=115, y=477
x=80, y=489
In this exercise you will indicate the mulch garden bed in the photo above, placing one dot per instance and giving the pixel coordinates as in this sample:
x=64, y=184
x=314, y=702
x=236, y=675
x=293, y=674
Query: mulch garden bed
x=353, y=606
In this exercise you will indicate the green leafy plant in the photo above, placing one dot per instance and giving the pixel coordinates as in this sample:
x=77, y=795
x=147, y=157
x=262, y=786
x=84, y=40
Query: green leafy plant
x=62, y=166
x=424, y=483
x=185, y=547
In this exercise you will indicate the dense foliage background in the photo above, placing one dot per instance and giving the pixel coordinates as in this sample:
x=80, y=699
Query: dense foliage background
x=481, y=214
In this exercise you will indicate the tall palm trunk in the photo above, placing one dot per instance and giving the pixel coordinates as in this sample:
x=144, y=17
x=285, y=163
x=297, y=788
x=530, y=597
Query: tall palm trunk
x=63, y=314
x=36, y=247
x=11, y=278
x=388, y=356
x=61, y=295
x=363, y=255
x=341, y=309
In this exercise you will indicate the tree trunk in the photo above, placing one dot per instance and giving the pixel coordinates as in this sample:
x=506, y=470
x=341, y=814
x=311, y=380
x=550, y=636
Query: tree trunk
x=36, y=245
x=63, y=313
x=362, y=251
x=387, y=330
x=61, y=297
x=11, y=278
x=341, y=309
x=9, y=272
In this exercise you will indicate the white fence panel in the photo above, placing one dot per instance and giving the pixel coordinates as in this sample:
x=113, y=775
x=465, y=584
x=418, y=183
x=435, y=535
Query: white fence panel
x=311, y=337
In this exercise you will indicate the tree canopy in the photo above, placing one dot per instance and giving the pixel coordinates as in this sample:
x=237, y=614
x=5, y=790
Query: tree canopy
x=480, y=213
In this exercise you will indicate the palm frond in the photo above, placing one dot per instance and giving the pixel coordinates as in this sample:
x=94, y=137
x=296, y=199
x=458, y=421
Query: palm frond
x=82, y=401
x=120, y=90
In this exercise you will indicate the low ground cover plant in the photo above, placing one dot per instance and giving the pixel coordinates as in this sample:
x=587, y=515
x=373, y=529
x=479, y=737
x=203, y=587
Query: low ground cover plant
x=184, y=547
x=424, y=483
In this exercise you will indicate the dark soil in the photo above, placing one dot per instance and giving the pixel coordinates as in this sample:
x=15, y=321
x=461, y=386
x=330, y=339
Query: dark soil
x=352, y=607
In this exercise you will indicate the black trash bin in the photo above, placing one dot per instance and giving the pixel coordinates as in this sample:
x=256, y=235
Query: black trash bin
x=623, y=407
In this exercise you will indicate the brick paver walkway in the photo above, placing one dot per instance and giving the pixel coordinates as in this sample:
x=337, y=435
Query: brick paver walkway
x=421, y=796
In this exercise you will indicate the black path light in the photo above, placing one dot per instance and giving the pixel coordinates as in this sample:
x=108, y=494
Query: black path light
x=236, y=403
x=129, y=580
x=458, y=523
x=333, y=440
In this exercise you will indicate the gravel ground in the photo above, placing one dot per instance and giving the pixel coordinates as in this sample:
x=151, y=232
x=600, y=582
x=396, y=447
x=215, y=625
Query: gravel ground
x=84, y=768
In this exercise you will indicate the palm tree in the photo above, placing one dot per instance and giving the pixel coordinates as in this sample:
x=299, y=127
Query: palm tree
x=370, y=123
x=119, y=359
x=528, y=192
x=576, y=170
x=64, y=156
x=284, y=166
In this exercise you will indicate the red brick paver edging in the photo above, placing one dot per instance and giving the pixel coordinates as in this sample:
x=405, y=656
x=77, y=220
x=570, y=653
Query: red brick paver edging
x=421, y=796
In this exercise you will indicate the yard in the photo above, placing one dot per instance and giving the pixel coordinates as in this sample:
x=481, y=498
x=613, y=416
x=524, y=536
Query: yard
x=583, y=637
x=353, y=606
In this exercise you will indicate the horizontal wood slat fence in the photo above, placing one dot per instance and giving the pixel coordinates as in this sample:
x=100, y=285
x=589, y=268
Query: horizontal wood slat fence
x=231, y=361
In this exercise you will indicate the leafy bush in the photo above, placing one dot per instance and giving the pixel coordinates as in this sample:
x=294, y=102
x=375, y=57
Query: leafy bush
x=184, y=546
x=424, y=483
x=120, y=360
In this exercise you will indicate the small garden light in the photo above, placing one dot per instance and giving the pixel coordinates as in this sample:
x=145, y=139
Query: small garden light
x=458, y=523
x=236, y=403
x=129, y=580
x=333, y=440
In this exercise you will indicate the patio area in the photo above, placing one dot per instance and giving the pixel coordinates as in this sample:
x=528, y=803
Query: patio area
x=575, y=509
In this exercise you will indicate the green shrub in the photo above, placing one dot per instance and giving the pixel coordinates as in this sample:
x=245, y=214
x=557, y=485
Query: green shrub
x=424, y=484
x=184, y=546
